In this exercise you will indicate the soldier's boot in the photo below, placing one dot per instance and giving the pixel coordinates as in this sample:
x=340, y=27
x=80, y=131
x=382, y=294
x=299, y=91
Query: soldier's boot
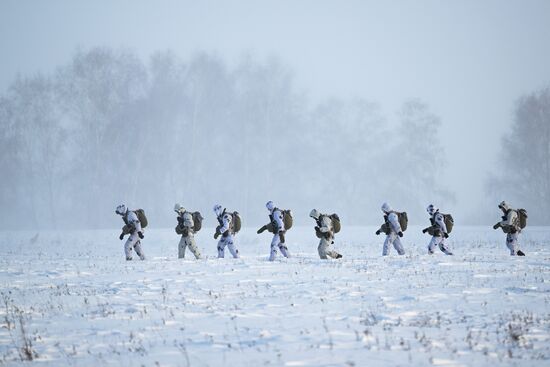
x=284, y=250
x=139, y=252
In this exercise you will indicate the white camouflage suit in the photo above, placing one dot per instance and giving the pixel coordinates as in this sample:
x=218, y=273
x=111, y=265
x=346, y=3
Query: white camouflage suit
x=188, y=236
x=439, y=238
x=133, y=242
x=395, y=228
x=277, y=220
x=327, y=238
x=225, y=229
x=511, y=221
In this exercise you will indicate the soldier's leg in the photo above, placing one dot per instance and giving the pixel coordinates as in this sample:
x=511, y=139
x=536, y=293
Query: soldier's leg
x=398, y=246
x=432, y=245
x=221, y=247
x=128, y=246
x=322, y=249
x=139, y=252
x=387, y=243
x=232, y=248
x=332, y=253
x=284, y=249
x=181, y=248
x=512, y=243
x=193, y=247
x=273, y=249
x=443, y=247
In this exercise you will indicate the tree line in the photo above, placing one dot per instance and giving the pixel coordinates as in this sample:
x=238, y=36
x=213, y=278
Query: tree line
x=108, y=127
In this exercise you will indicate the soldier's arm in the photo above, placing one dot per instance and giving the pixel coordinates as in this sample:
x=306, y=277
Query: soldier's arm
x=278, y=215
x=441, y=222
x=427, y=229
x=226, y=223
x=394, y=221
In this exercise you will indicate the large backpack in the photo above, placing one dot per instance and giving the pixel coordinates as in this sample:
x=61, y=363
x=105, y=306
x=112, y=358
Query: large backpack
x=197, y=221
x=522, y=218
x=140, y=213
x=449, y=222
x=287, y=219
x=403, y=220
x=336, y=225
x=236, y=222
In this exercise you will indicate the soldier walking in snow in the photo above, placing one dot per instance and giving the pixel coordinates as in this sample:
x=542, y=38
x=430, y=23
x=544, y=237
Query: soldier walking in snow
x=188, y=224
x=327, y=226
x=279, y=222
x=395, y=224
x=513, y=221
x=441, y=226
x=134, y=222
x=229, y=225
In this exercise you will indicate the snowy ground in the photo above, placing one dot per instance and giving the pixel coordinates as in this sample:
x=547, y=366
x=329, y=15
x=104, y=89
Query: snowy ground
x=70, y=298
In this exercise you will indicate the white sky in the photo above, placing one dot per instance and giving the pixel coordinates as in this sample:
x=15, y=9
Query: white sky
x=469, y=60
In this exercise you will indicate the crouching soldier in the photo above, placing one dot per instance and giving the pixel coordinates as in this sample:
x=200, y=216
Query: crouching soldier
x=188, y=224
x=327, y=226
x=229, y=225
x=279, y=222
x=395, y=224
x=134, y=222
x=513, y=221
x=441, y=226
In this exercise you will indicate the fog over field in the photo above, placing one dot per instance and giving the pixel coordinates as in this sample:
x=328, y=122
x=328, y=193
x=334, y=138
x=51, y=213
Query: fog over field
x=339, y=105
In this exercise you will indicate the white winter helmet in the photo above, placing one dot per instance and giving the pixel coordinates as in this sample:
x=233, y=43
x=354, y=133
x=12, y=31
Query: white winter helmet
x=314, y=213
x=217, y=209
x=504, y=205
x=270, y=206
x=121, y=209
x=386, y=208
x=431, y=209
x=178, y=208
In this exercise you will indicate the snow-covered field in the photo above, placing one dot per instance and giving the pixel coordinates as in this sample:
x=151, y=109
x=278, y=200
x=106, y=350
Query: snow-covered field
x=70, y=298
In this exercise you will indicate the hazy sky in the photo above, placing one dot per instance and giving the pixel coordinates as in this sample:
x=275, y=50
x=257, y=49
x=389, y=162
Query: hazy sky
x=469, y=60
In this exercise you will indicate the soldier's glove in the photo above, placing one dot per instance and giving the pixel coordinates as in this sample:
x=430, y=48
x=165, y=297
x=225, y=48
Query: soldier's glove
x=121, y=237
x=217, y=234
x=400, y=234
x=282, y=236
x=446, y=235
x=180, y=220
x=377, y=232
x=261, y=229
x=425, y=230
x=496, y=226
x=140, y=235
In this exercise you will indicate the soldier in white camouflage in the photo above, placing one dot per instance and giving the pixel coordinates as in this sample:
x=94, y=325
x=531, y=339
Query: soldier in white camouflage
x=132, y=226
x=393, y=231
x=186, y=228
x=438, y=230
x=324, y=230
x=510, y=224
x=226, y=230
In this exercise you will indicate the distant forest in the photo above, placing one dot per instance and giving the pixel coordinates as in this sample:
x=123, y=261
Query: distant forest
x=109, y=128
